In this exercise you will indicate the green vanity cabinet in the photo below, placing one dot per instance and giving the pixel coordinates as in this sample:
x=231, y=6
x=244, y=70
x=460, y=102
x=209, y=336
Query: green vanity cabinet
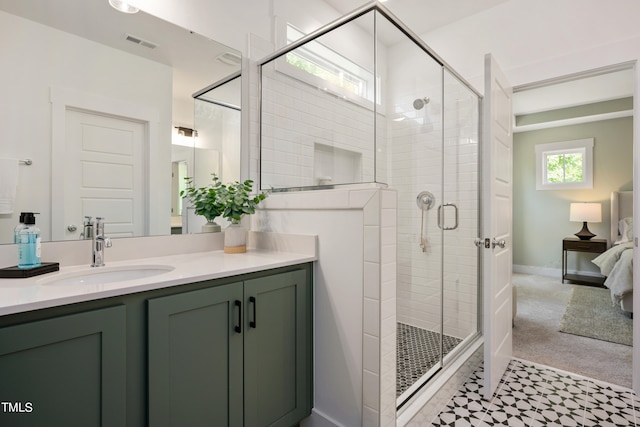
x=277, y=350
x=234, y=351
x=232, y=355
x=195, y=358
x=65, y=371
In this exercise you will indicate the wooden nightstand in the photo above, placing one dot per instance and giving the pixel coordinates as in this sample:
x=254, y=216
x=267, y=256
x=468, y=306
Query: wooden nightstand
x=596, y=246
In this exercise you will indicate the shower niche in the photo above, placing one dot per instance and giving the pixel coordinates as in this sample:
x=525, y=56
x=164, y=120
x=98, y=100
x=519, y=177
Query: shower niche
x=332, y=165
x=365, y=101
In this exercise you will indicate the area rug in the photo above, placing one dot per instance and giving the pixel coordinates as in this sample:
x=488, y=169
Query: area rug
x=590, y=313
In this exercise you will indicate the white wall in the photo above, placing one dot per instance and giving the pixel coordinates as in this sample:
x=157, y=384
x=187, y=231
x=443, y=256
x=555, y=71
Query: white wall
x=354, y=298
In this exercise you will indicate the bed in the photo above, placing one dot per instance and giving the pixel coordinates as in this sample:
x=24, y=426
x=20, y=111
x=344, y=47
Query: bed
x=617, y=262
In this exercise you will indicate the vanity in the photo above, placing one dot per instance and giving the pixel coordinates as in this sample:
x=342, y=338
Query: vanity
x=206, y=339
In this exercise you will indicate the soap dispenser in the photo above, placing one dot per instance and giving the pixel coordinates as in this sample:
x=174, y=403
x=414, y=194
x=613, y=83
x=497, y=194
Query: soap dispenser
x=29, y=243
x=20, y=226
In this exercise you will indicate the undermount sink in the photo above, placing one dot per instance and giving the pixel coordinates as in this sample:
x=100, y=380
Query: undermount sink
x=103, y=275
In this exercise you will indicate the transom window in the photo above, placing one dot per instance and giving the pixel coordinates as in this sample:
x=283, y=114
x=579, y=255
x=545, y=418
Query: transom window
x=338, y=73
x=564, y=165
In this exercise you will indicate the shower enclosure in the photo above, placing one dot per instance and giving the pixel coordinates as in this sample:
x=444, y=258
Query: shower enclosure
x=365, y=101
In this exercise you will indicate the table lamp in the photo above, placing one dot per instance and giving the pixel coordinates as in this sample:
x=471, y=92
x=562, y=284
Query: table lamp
x=585, y=212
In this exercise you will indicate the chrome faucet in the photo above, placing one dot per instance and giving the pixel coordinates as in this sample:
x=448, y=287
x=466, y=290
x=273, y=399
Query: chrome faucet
x=87, y=229
x=99, y=243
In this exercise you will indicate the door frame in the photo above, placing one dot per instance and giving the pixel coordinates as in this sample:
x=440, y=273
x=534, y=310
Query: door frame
x=633, y=64
x=635, y=363
x=63, y=99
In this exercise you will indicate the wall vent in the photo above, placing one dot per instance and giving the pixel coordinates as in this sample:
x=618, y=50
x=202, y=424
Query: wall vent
x=140, y=41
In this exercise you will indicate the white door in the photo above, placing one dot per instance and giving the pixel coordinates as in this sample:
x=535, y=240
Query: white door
x=104, y=174
x=497, y=159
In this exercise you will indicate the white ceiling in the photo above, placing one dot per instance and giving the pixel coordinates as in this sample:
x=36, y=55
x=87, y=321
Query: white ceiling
x=422, y=16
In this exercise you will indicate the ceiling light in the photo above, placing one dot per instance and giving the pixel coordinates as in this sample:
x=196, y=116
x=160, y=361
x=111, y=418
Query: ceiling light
x=188, y=132
x=123, y=6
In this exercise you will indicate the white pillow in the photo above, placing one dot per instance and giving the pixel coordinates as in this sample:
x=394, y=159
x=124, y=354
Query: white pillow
x=625, y=228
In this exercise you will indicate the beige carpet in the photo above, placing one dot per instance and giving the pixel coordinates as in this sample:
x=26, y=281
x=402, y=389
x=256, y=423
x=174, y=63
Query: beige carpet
x=541, y=305
x=590, y=313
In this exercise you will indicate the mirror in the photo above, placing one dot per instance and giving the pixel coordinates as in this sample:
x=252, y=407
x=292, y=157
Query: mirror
x=101, y=103
x=217, y=142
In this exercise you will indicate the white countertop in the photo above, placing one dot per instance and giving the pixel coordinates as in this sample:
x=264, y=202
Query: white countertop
x=20, y=295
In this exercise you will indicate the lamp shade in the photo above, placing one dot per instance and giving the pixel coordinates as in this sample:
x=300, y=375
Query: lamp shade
x=585, y=212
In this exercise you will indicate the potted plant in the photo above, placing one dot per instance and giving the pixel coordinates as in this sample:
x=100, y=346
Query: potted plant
x=206, y=201
x=238, y=201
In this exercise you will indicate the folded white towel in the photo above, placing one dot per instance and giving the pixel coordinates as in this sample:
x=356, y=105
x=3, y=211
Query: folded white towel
x=8, y=184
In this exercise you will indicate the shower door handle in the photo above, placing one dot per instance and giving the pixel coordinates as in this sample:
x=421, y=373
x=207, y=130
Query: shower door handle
x=441, y=224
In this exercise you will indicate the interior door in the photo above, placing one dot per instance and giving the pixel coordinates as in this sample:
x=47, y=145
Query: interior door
x=104, y=174
x=497, y=209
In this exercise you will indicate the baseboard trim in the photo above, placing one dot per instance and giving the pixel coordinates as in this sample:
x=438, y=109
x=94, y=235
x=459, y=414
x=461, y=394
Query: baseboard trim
x=549, y=272
x=540, y=271
x=319, y=419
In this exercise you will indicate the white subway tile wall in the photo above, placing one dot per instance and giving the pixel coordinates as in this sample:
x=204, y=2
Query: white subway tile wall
x=420, y=162
x=312, y=137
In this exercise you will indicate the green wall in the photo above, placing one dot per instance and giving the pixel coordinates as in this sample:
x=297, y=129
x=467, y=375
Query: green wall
x=541, y=217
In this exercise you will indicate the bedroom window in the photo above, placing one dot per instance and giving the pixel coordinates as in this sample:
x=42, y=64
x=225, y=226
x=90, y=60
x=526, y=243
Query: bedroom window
x=566, y=165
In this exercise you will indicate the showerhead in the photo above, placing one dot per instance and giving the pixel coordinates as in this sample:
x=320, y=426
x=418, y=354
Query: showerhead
x=421, y=102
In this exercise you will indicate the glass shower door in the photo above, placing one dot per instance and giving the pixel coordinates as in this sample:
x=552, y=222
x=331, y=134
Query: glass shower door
x=415, y=149
x=460, y=216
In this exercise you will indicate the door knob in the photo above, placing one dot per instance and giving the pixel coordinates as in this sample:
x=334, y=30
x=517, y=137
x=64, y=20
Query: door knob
x=71, y=227
x=502, y=243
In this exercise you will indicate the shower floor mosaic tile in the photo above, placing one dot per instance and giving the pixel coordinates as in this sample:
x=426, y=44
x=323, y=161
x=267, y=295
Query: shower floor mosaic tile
x=532, y=395
x=418, y=350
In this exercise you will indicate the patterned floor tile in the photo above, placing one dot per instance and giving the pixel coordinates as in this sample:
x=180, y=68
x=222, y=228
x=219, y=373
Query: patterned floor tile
x=530, y=395
x=606, y=406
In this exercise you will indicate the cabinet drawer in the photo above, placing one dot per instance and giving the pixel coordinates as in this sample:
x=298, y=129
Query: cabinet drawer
x=598, y=246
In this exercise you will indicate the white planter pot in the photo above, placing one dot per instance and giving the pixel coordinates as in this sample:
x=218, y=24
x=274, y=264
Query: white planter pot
x=211, y=227
x=235, y=239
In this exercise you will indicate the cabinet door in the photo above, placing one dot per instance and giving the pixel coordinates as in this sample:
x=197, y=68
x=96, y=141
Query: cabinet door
x=65, y=371
x=277, y=351
x=195, y=358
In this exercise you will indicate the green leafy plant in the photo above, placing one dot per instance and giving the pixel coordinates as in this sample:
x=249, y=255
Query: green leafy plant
x=237, y=200
x=231, y=201
x=206, y=200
